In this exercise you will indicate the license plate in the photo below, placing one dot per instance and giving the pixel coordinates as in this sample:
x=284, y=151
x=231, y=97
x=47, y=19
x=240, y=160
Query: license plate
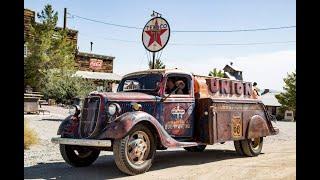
x=236, y=127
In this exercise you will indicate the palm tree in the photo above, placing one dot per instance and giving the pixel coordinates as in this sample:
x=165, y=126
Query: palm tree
x=216, y=73
x=157, y=65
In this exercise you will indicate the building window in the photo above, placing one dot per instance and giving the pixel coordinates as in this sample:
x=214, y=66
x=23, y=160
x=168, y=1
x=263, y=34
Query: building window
x=25, y=50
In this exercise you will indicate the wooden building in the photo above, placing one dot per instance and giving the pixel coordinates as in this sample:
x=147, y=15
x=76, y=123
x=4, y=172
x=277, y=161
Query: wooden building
x=268, y=97
x=29, y=18
x=95, y=67
x=94, y=62
x=232, y=72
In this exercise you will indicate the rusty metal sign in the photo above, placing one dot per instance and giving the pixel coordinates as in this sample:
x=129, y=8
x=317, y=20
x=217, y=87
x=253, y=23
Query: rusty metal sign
x=226, y=86
x=95, y=64
x=236, y=127
x=156, y=34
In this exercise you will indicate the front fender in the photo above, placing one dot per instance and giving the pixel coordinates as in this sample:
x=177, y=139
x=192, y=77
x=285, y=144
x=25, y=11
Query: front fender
x=120, y=127
x=124, y=123
x=257, y=127
x=68, y=127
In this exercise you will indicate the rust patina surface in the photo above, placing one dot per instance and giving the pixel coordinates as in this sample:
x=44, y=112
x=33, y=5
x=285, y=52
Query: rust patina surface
x=217, y=110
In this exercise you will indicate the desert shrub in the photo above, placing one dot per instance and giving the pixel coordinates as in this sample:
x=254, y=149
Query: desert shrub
x=63, y=86
x=30, y=136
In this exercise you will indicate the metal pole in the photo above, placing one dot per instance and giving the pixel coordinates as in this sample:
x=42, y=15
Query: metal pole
x=153, y=57
x=65, y=18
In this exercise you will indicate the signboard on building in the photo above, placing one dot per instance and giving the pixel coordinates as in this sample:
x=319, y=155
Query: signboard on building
x=95, y=64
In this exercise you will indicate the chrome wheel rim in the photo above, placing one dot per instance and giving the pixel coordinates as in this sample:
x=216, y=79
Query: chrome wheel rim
x=138, y=147
x=255, y=143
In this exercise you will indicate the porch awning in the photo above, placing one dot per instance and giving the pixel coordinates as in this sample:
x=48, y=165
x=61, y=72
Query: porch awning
x=269, y=99
x=98, y=75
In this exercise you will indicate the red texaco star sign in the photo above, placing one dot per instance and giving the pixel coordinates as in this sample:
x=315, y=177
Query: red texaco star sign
x=156, y=34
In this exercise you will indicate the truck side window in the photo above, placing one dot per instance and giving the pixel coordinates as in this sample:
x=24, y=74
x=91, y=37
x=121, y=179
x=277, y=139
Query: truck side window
x=131, y=85
x=172, y=84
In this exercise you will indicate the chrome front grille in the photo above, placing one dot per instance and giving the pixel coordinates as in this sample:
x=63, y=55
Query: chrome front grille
x=89, y=116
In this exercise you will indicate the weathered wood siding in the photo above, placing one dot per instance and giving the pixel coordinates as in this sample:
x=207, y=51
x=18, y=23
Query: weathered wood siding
x=29, y=18
x=83, y=62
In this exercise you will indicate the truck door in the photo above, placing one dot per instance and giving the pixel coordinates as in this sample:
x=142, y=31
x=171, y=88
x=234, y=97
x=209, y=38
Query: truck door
x=178, y=108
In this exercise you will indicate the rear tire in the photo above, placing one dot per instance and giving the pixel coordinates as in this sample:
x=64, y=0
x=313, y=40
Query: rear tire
x=252, y=147
x=134, y=153
x=199, y=148
x=238, y=147
x=78, y=156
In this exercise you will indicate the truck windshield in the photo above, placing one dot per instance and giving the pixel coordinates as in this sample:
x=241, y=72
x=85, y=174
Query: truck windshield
x=140, y=83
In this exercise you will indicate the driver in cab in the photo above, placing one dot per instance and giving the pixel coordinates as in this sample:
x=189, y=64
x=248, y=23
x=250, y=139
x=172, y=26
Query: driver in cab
x=174, y=87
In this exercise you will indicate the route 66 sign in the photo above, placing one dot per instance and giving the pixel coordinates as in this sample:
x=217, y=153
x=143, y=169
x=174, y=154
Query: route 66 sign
x=236, y=127
x=156, y=34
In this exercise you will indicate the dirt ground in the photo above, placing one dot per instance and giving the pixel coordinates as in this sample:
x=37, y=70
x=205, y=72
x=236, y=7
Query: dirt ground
x=219, y=161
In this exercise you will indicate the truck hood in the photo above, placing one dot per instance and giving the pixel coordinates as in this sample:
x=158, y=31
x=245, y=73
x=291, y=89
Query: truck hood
x=129, y=96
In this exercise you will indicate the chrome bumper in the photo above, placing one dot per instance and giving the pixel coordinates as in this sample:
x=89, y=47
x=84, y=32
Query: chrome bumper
x=82, y=142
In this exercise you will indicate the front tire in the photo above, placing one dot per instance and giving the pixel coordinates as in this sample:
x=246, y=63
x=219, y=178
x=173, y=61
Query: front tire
x=134, y=153
x=199, y=148
x=78, y=156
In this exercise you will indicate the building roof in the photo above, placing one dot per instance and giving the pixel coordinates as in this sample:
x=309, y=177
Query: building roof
x=91, y=55
x=98, y=75
x=232, y=67
x=269, y=99
x=230, y=76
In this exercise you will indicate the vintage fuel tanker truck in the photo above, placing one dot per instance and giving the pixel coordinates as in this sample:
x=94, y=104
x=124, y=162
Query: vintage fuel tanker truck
x=159, y=109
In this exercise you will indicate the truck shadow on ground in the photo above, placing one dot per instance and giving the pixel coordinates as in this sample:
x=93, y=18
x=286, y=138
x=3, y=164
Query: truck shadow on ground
x=105, y=168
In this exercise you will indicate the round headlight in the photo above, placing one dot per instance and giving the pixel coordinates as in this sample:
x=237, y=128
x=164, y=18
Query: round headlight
x=112, y=109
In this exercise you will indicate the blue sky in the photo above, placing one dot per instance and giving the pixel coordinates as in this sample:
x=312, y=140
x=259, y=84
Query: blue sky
x=266, y=64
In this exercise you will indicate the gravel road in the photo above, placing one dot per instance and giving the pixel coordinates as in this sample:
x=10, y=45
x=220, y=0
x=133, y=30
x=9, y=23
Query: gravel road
x=219, y=161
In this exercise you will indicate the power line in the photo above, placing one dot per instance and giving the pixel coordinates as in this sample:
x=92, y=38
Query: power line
x=241, y=30
x=203, y=44
x=187, y=31
x=111, y=24
x=233, y=44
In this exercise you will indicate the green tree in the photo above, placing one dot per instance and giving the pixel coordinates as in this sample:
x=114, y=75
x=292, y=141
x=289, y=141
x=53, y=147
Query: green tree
x=48, y=48
x=63, y=86
x=216, y=73
x=287, y=99
x=158, y=64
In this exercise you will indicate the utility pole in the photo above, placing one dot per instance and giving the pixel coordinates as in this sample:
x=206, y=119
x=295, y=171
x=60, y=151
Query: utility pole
x=91, y=46
x=153, y=57
x=65, y=18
